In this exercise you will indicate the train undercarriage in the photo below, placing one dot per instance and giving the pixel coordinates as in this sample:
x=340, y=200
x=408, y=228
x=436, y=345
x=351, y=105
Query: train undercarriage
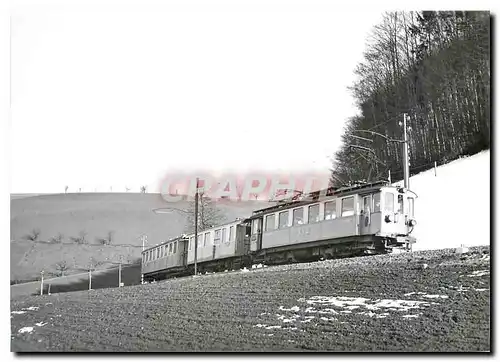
x=299, y=253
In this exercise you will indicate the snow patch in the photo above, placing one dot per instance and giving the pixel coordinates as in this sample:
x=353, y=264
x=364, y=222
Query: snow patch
x=26, y=330
x=479, y=273
x=32, y=308
x=41, y=324
x=18, y=312
x=293, y=309
x=432, y=296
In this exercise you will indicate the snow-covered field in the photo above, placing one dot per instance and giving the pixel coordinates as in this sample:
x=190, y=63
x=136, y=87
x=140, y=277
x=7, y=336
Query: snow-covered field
x=453, y=208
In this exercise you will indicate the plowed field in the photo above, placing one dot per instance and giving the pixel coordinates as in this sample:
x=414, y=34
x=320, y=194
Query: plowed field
x=425, y=301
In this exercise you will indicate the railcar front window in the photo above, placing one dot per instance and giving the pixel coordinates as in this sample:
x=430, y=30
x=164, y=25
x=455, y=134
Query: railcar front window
x=313, y=213
x=389, y=203
x=376, y=202
x=270, y=222
x=348, y=206
x=410, y=207
x=330, y=210
x=283, y=220
x=298, y=216
x=400, y=204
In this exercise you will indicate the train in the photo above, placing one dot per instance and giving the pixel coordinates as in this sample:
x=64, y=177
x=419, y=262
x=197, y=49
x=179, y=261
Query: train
x=368, y=219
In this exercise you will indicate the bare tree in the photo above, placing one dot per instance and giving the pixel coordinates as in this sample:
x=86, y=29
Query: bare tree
x=57, y=239
x=143, y=189
x=208, y=214
x=108, y=239
x=62, y=267
x=81, y=238
x=34, y=234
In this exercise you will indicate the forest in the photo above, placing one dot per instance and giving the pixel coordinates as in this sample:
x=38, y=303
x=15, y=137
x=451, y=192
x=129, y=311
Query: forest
x=433, y=66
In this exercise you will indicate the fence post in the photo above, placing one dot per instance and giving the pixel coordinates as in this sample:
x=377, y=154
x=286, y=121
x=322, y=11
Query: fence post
x=90, y=279
x=48, y=292
x=435, y=168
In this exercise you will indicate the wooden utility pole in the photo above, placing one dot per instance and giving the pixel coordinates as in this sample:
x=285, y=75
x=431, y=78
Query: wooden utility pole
x=196, y=229
x=41, y=285
x=90, y=278
x=120, y=274
x=144, y=238
x=406, y=163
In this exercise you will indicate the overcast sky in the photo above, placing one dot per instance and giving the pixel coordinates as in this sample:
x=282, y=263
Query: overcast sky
x=118, y=98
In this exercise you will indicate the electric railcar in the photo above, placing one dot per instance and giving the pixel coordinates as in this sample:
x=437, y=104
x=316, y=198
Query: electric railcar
x=369, y=219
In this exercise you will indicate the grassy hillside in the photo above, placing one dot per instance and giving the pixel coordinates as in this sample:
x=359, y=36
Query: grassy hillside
x=128, y=215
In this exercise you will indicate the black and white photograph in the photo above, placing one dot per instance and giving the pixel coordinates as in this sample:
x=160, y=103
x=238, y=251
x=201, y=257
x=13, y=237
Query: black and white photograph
x=247, y=176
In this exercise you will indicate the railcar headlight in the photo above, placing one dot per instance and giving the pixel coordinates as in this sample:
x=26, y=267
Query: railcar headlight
x=412, y=222
x=387, y=218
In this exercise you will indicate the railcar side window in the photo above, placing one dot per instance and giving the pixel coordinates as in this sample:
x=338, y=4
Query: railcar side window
x=270, y=222
x=175, y=247
x=330, y=210
x=389, y=203
x=283, y=220
x=170, y=249
x=191, y=242
x=347, y=206
x=231, y=233
x=217, y=237
x=376, y=202
x=224, y=235
x=410, y=207
x=200, y=240
x=313, y=213
x=298, y=216
x=206, y=241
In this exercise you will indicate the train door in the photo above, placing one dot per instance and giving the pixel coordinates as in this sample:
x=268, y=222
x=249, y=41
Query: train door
x=365, y=214
x=256, y=235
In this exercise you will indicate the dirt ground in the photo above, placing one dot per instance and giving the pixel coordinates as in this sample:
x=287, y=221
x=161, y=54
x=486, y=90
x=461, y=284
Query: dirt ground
x=425, y=301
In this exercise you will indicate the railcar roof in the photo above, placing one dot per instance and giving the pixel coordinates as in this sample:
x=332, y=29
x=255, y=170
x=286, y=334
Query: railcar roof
x=162, y=243
x=315, y=196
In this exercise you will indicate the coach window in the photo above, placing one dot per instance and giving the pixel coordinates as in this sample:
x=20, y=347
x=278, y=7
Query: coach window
x=330, y=210
x=348, y=206
x=231, y=233
x=389, y=203
x=270, y=222
x=175, y=247
x=298, y=216
x=283, y=220
x=313, y=213
x=224, y=235
x=376, y=202
x=217, y=237
x=170, y=249
x=191, y=240
x=206, y=240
